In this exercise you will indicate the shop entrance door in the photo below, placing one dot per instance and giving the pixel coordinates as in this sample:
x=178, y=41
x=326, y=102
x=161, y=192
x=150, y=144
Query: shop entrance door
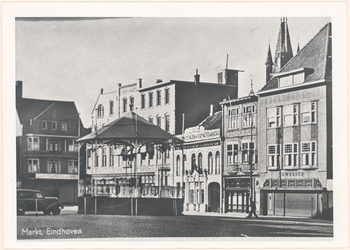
x=214, y=197
x=236, y=201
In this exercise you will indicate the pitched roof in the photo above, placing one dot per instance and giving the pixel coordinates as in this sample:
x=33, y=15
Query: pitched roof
x=212, y=122
x=129, y=127
x=33, y=108
x=315, y=55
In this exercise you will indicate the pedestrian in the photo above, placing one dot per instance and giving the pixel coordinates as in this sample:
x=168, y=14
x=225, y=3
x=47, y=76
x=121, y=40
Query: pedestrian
x=252, y=209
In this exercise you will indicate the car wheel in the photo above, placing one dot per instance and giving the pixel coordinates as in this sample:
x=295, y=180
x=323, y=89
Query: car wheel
x=47, y=212
x=56, y=211
x=20, y=210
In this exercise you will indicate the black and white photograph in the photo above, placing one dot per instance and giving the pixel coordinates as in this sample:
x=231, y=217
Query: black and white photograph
x=175, y=125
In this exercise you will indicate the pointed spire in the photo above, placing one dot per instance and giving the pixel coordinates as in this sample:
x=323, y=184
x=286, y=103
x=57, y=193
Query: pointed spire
x=283, y=51
x=268, y=64
x=269, y=56
x=251, y=92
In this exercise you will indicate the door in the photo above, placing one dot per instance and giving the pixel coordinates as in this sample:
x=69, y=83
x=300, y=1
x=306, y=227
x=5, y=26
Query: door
x=214, y=197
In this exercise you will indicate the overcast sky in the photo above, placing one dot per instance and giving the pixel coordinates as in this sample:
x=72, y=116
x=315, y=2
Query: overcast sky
x=73, y=59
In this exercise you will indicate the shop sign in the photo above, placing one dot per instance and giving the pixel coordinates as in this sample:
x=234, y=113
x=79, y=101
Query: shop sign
x=201, y=145
x=298, y=173
x=202, y=135
x=57, y=176
x=244, y=132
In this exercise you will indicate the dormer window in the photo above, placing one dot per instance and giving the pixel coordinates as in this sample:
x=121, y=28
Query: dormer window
x=293, y=77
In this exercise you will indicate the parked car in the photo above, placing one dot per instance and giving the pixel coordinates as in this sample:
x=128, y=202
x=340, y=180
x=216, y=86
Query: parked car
x=34, y=200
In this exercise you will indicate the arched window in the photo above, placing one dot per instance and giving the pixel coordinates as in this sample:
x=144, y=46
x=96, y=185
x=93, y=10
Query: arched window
x=200, y=161
x=210, y=163
x=178, y=165
x=193, y=163
x=184, y=164
x=217, y=162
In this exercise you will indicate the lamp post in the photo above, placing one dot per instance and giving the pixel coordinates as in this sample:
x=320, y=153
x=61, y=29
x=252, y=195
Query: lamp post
x=251, y=159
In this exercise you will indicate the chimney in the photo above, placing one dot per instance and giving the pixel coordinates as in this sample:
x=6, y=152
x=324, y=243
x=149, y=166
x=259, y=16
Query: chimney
x=19, y=89
x=101, y=91
x=140, y=82
x=211, y=110
x=196, y=78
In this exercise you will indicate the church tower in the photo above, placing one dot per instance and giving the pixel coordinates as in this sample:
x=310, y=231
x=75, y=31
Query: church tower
x=283, y=51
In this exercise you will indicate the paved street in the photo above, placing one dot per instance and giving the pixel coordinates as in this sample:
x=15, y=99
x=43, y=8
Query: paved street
x=72, y=225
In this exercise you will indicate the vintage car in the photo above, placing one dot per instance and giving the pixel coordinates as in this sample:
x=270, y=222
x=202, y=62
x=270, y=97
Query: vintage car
x=34, y=200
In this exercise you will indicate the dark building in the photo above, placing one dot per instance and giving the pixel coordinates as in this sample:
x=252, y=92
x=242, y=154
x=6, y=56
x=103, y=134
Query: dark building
x=47, y=151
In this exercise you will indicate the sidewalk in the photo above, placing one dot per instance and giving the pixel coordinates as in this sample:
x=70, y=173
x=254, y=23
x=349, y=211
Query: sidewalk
x=272, y=218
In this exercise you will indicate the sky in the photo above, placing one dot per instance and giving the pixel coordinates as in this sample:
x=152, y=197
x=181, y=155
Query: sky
x=72, y=59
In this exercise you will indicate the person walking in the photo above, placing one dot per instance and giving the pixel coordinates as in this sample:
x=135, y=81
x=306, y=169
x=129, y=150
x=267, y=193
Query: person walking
x=252, y=209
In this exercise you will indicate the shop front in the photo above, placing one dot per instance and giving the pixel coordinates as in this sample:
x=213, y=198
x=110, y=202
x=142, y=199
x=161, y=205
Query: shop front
x=237, y=194
x=300, y=197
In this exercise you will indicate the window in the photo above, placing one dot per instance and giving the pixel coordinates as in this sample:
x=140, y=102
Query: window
x=273, y=117
x=111, y=107
x=210, y=163
x=44, y=125
x=290, y=114
x=125, y=104
x=229, y=153
x=167, y=95
x=308, y=112
x=33, y=143
x=54, y=125
x=104, y=157
x=273, y=155
x=54, y=146
x=291, y=155
x=131, y=103
x=72, y=167
x=72, y=145
x=235, y=153
x=111, y=156
x=248, y=152
x=143, y=101
x=54, y=166
x=96, y=159
x=100, y=110
x=159, y=97
x=64, y=126
x=89, y=160
x=159, y=121
x=308, y=154
x=291, y=79
x=178, y=165
x=200, y=161
x=217, y=162
x=150, y=95
x=249, y=116
x=33, y=166
x=233, y=118
x=193, y=162
x=167, y=123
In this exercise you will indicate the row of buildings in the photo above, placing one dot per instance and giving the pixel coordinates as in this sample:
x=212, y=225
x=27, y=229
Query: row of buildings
x=274, y=145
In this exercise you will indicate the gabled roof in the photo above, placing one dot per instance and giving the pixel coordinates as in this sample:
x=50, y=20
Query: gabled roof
x=33, y=108
x=212, y=122
x=315, y=55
